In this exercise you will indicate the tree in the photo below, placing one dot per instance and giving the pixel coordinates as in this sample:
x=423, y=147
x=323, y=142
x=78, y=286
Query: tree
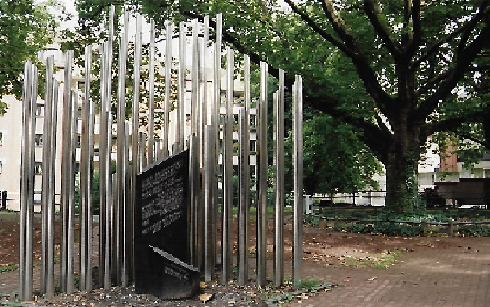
x=390, y=69
x=25, y=29
x=335, y=160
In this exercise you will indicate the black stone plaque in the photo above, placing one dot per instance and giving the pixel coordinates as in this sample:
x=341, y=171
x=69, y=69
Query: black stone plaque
x=162, y=228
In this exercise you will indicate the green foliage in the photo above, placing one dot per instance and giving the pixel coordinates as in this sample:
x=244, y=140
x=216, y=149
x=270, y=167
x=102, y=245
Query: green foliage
x=26, y=27
x=8, y=268
x=475, y=230
x=386, y=228
x=335, y=160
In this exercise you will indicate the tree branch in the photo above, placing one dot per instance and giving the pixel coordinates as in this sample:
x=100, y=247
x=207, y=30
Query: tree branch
x=318, y=30
x=371, y=9
x=469, y=25
x=338, y=24
x=455, y=73
x=417, y=29
x=434, y=81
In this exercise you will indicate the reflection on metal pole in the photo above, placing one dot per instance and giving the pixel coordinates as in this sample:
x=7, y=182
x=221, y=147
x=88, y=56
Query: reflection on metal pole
x=279, y=183
x=298, y=179
x=66, y=167
x=262, y=179
x=151, y=100
x=243, y=217
x=227, y=243
x=168, y=79
x=180, y=127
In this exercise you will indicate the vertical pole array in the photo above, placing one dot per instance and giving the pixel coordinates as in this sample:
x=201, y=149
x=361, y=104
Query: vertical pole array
x=27, y=181
x=66, y=163
x=116, y=220
x=168, y=79
x=298, y=179
x=243, y=217
x=262, y=179
x=279, y=183
x=227, y=223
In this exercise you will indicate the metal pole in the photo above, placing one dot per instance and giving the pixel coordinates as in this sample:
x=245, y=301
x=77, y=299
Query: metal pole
x=90, y=121
x=83, y=186
x=209, y=240
x=151, y=101
x=279, y=193
x=66, y=167
x=135, y=126
x=274, y=182
x=298, y=180
x=70, y=274
x=126, y=221
x=27, y=182
x=262, y=179
x=142, y=149
x=108, y=196
x=179, y=131
x=102, y=162
x=246, y=144
x=227, y=243
x=168, y=84
x=243, y=217
x=30, y=199
x=215, y=118
x=120, y=205
x=51, y=196
x=46, y=167
x=194, y=142
x=24, y=177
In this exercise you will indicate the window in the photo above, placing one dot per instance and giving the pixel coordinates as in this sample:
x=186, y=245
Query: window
x=252, y=146
x=252, y=121
x=38, y=168
x=40, y=110
x=38, y=140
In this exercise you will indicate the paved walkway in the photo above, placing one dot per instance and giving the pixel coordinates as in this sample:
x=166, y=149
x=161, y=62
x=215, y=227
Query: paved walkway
x=456, y=275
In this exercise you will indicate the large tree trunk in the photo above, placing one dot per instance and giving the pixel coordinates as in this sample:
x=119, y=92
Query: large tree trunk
x=401, y=166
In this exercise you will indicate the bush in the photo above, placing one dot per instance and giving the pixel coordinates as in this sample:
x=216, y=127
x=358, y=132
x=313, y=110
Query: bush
x=390, y=229
x=475, y=230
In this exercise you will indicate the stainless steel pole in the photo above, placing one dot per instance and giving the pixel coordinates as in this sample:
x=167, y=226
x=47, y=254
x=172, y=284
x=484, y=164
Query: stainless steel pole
x=46, y=167
x=227, y=224
x=90, y=122
x=298, y=180
x=135, y=127
x=66, y=167
x=262, y=204
x=209, y=239
x=279, y=193
x=243, y=217
x=151, y=100
x=102, y=162
x=70, y=273
x=51, y=196
x=83, y=218
x=168, y=84
x=215, y=119
x=181, y=119
x=120, y=205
